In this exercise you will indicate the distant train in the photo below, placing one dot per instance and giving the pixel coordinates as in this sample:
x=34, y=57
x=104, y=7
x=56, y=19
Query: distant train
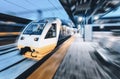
x=40, y=37
x=10, y=30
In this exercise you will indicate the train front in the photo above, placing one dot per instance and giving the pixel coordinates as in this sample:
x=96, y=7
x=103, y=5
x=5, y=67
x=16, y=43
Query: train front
x=29, y=40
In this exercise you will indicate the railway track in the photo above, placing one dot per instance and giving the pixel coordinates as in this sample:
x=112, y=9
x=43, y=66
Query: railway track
x=13, y=64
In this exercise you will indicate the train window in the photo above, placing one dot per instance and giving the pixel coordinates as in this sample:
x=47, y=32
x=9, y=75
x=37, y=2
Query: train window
x=34, y=29
x=51, y=32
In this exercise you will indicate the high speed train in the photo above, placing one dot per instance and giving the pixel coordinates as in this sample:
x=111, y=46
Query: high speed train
x=40, y=37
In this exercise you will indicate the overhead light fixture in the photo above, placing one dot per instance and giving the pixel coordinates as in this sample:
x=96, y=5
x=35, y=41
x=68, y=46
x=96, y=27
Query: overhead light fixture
x=107, y=9
x=96, y=17
x=73, y=7
x=80, y=19
x=101, y=26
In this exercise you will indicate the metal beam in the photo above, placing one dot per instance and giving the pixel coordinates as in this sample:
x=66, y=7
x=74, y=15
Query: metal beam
x=89, y=5
x=97, y=7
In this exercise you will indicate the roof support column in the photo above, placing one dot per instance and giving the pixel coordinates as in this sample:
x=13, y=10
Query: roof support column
x=87, y=36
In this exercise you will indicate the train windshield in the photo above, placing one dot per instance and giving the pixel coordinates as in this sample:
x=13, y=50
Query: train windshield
x=34, y=29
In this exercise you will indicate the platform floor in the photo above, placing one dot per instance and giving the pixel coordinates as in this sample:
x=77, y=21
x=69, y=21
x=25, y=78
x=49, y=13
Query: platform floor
x=50, y=66
x=78, y=63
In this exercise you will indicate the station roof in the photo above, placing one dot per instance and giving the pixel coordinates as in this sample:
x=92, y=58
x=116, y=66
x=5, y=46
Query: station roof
x=24, y=11
x=88, y=8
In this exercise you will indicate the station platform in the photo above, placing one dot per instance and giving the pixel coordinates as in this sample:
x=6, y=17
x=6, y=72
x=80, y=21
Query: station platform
x=71, y=61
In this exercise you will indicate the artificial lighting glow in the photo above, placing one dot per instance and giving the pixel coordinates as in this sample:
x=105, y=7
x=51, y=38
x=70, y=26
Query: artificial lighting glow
x=96, y=17
x=73, y=7
x=80, y=19
x=102, y=26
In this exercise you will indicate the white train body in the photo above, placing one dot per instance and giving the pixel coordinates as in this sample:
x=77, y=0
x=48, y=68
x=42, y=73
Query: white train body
x=39, y=38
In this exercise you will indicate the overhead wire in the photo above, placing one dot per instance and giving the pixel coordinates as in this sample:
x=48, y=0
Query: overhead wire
x=48, y=9
x=16, y=5
x=33, y=5
x=61, y=6
x=37, y=6
x=56, y=8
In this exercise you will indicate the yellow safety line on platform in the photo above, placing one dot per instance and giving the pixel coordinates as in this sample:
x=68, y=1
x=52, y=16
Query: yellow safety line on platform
x=49, y=67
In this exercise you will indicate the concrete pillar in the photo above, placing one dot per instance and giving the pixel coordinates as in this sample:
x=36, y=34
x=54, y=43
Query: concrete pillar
x=82, y=31
x=88, y=33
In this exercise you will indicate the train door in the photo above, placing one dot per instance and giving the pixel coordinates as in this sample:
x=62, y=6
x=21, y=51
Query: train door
x=50, y=39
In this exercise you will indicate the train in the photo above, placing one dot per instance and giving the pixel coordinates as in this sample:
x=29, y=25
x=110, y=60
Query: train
x=10, y=30
x=40, y=37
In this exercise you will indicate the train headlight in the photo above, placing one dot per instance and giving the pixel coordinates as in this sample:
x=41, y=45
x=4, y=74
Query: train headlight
x=22, y=38
x=36, y=39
